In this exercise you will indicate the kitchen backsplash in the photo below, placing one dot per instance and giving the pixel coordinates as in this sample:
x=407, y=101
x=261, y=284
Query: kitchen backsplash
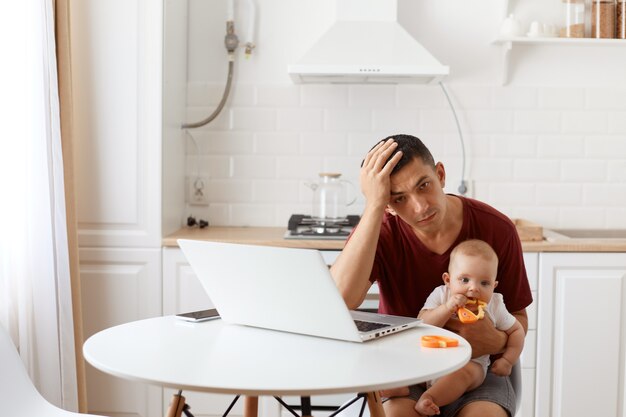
x=553, y=155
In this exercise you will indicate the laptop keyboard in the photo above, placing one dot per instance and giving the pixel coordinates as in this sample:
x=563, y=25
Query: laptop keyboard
x=366, y=326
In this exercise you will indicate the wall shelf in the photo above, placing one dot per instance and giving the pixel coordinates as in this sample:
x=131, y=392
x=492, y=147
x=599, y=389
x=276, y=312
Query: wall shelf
x=508, y=43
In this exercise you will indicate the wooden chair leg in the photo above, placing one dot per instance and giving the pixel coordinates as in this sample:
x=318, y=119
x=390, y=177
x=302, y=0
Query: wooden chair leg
x=250, y=407
x=176, y=405
x=375, y=404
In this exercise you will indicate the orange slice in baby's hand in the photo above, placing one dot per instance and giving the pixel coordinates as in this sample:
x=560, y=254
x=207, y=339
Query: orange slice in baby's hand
x=466, y=316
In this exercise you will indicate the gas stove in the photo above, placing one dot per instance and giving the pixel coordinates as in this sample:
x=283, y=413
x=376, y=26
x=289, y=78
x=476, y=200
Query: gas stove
x=306, y=227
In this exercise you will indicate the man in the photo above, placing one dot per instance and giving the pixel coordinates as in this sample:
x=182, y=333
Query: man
x=408, y=228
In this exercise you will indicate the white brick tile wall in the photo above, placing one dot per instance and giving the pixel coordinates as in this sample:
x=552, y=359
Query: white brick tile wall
x=585, y=122
x=209, y=166
x=254, y=119
x=554, y=155
x=616, y=218
x=617, y=122
x=371, y=96
x=420, y=97
x=605, y=146
x=606, y=98
x=324, y=95
x=561, y=98
x=515, y=98
x=278, y=95
x=604, y=195
x=230, y=191
x=487, y=121
x=559, y=194
x=513, y=146
x=583, y=170
x=491, y=169
x=323, y=144
x=241, y=95
x=438, y=121
x=536, y=170
x=617, y=171
x=277, y=143
x=257, y=166
x=535, y=121
x=560, y=146
x=203, y=94
x=223, y=143
x=299, y=167
x=395, y=120
x=348, y=120
x=469, y=97
x=584, y=217
x=253, y=214
x=512, y=194
x=264, y=191
x=300, y=120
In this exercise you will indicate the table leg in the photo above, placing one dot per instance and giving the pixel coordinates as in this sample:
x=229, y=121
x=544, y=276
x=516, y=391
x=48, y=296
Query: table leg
x=375, y=404
x=251, y=407
x=176, y=406
x=305, y=403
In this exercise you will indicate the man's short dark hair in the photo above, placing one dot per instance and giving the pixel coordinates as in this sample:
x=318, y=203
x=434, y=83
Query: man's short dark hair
x=411, y=148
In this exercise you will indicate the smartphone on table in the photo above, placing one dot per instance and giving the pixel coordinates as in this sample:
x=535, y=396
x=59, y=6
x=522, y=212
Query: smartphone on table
x=198, y=316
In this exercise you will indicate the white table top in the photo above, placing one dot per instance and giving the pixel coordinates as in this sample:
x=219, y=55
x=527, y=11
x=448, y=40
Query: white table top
x=217, y=357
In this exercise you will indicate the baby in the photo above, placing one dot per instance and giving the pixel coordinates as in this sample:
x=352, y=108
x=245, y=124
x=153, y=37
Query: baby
x=471, y=277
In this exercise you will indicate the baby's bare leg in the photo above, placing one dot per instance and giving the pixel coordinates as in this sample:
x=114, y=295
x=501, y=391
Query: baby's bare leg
x=449, y=388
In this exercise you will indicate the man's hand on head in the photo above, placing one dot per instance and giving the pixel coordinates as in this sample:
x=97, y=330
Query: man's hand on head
x=376, y=172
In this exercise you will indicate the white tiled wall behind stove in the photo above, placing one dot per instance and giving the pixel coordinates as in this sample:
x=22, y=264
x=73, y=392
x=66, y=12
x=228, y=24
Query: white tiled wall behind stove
x=553, y=155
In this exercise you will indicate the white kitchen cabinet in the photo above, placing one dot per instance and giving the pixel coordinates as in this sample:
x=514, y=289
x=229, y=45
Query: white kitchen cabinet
x=580, y=340
x=119, y=285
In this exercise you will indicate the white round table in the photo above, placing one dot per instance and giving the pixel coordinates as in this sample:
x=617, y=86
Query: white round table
x=222, y=358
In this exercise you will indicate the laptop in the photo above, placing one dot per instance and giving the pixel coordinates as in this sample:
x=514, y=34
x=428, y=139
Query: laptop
x=284, y=289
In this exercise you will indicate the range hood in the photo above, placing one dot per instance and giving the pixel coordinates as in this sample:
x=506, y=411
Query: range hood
x=366, y=44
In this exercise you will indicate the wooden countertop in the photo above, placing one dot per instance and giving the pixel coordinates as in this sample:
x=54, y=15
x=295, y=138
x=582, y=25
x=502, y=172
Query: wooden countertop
x=273, y=236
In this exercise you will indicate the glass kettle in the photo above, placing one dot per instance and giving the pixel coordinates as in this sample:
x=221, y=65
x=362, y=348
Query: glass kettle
x=330, y=196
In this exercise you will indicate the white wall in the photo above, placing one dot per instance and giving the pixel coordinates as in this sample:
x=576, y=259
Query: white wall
x=550, y=146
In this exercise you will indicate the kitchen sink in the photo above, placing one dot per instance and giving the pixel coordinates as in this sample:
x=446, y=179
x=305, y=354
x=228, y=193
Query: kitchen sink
x=586, y=234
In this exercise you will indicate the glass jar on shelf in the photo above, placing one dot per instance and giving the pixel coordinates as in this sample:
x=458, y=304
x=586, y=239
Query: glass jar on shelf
x=574, y=19
x=620, y=20
x=603, y=19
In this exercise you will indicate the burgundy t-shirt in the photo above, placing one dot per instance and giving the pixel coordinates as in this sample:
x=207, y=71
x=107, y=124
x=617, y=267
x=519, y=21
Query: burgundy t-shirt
x=407, y=271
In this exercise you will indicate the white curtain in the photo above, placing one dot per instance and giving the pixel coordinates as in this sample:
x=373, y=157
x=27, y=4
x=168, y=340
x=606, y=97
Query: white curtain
x=35, y=293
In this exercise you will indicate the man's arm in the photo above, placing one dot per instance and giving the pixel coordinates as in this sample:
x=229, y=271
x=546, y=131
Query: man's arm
x=483, y=336
x=352, y=269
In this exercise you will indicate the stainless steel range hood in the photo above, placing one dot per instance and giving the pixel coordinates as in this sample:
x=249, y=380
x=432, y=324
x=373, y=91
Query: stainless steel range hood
x=367, y=45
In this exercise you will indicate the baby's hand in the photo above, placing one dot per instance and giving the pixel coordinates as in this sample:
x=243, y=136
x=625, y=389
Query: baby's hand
x=501, y=367
x=455, y=302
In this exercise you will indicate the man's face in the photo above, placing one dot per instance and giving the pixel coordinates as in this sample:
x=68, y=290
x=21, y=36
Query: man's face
x=417, y=195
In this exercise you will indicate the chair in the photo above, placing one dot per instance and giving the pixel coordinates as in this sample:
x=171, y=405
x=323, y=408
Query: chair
x=516, y=381
x=18, y=395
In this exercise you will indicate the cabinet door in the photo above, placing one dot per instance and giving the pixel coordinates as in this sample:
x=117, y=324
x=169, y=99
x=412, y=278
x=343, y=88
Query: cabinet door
x=580, y=351
x=119, y=286
x=116, y=75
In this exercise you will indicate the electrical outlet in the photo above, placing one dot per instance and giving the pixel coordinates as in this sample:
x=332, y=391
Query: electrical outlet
x=197, y=191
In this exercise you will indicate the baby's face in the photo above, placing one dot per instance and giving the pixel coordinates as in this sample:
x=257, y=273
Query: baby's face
x=473, y=277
